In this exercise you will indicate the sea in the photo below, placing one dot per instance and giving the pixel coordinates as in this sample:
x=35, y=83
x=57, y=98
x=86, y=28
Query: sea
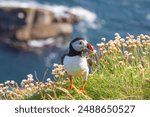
x=99, y=18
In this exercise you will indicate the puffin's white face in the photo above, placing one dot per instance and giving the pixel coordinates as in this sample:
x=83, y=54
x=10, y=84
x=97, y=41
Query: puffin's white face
x=79, y=45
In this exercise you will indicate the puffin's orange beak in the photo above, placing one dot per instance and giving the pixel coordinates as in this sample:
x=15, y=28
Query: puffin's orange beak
x=90, y=47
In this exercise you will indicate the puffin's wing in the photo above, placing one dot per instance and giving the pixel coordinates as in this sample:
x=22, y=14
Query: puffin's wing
x=62, y=59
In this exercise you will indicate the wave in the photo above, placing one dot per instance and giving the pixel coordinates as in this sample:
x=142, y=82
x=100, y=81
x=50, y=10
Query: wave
x=40, y=43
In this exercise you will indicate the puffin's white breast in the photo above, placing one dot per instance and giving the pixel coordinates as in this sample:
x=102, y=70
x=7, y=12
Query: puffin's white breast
x=76, y=65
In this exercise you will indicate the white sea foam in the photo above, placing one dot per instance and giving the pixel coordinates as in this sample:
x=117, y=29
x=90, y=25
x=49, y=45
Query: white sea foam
x=148, y=16
x=40, y=43
x=51, y=58
x=18, y=3
x=85, y=15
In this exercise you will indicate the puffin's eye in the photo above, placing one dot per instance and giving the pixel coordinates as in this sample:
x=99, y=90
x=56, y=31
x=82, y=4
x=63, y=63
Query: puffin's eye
x=80, y=43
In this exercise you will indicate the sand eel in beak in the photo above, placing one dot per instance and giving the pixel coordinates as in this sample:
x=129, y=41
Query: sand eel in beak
x=75, y=62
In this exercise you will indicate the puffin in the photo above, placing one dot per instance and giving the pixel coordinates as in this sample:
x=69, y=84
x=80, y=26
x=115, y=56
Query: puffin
x=75, y=61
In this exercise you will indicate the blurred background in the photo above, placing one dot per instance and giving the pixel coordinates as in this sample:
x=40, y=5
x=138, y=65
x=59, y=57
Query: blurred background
x=34, y=34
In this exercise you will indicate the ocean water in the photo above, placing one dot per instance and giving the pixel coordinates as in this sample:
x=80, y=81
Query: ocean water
x=99, y=18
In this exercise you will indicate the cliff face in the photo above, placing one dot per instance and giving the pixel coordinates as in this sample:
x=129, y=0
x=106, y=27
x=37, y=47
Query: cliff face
x=23, y=24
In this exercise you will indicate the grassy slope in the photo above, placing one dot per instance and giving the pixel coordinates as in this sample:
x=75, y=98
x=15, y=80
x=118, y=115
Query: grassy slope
x=115, y=82
x=127, y=84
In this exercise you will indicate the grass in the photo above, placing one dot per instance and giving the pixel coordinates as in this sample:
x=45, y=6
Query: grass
x=121, y=72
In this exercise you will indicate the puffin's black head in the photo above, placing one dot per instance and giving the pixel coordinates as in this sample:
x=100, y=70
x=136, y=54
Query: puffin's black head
x=78, y=45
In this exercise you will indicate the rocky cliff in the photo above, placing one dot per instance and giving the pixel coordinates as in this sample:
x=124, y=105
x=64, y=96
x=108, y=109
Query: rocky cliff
x=19, y=25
